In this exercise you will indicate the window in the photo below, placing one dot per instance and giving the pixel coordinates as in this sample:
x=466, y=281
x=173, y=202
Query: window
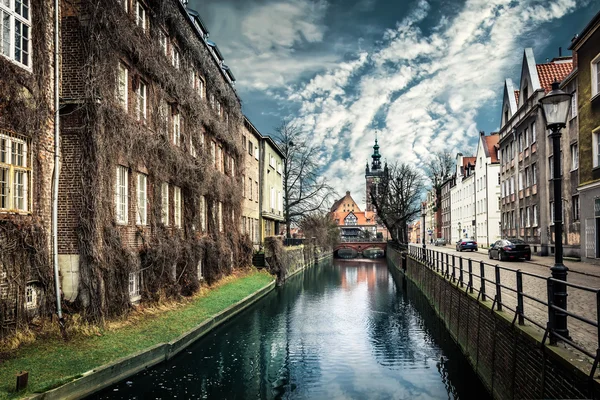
x=15, y=173
x=142, y=200
x=200, y=86
x=162, y=39
x=250, y=148
x=199, y=268
x=213, y=153
x=176, y=129
x=534, y=212
x=526, y=136
x=220, y=159
x=220, y=217
x=177, y=206
x=122, y=92
x=527, y=217
x=533, y=134
x=534, y=173
x=15, y=31
x=121, y=195
x=596, y=148
x=521, y=142
x=140, y=93
x=193, y=150
x=250, y=185
x=134, y=285
x=522, y=217
x=164, y=203
x=124, y=4
x=175, y=57
x=218, y=103
x=595, y=75
x=271, y=161
x=31, y=301
x=256, y=191
x=527, y=177
x=574, y=157
x=203, y=213
x=512, y=185
x=212, y=101
x=574, y=104
x=140, y=15
x=520, y=180
x=575, y=203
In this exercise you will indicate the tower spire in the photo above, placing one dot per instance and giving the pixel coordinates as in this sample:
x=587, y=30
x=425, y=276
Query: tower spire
x=376, y=164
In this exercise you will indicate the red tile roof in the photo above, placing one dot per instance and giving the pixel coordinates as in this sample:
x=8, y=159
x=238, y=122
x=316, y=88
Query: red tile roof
x=491, y=142
x=553, y=71
x=468, y=160
x=517, y=96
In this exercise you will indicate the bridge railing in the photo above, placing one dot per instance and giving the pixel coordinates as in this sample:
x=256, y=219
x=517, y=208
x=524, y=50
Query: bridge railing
x=360, y=240
x=527, y=295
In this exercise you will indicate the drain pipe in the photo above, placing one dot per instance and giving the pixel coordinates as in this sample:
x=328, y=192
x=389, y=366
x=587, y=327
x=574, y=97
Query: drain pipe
x=56, y=166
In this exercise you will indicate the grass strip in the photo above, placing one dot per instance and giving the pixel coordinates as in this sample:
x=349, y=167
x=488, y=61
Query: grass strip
x=54, y=362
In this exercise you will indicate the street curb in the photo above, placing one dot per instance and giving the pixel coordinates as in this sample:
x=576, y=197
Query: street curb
x=106, y=375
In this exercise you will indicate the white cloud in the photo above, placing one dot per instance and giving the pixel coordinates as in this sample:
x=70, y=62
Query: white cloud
x=424, y=92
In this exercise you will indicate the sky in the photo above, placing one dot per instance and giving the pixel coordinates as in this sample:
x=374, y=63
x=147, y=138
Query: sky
x=421, y=75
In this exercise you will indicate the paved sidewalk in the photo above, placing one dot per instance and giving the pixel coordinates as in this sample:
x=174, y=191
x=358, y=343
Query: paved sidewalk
x=578, y=267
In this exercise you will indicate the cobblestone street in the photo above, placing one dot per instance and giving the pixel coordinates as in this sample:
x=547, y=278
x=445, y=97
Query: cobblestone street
x=580, y=302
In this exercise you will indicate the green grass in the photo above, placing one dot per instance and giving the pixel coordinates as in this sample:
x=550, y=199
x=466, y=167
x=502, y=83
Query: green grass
x=52, y=363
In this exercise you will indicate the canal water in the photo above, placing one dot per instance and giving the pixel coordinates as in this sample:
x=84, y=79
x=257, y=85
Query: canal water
x=340, y=330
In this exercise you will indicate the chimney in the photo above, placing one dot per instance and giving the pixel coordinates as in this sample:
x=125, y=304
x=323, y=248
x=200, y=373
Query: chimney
x=347, y=193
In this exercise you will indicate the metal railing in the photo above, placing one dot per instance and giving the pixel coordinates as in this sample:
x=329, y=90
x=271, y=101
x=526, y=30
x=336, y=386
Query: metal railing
x=293, y=241
x=526, y=295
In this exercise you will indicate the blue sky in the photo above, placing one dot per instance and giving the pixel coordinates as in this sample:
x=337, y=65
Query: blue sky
x=425, y=74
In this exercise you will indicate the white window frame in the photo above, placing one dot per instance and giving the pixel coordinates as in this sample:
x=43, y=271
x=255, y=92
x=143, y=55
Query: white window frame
x=574, y=104
x=534, y=173
x=125, y=4
x=8, y=47
x=135, y=282
x=596, y=147
x=140, y=16
x=177, y=129
x=164, y=202
x=574, y=156
x=199, y=270
x=31, y=298
x=203, y=213
x=141, y=215
x=533, y=133
x=163, y=41
x=141, y=101
x=175, y=57
x=201, y=86
x=122, y=195
x=123, y=86
x=15, y=173
x=177, y=206
x=534, y=212
x=220, y=216
x=595, y=70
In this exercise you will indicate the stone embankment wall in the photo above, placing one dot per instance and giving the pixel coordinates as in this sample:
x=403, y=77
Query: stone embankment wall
x=284, y=262
x=509, y=358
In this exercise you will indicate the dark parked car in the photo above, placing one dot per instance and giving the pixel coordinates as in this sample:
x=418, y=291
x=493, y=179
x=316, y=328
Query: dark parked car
x=466, y=244
x=510, y=249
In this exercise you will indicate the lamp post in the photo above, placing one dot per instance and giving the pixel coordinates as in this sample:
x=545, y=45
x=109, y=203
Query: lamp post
x=423, y=214
x=555, y=106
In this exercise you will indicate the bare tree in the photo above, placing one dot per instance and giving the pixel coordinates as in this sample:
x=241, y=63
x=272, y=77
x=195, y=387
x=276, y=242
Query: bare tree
x=398, y=198
x=305, y=191
x=320, y=226
x=439, y=168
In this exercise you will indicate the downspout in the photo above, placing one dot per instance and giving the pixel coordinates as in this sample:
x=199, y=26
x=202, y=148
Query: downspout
x=56, y=166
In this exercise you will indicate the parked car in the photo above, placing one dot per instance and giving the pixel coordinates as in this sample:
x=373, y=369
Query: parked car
x=466, y=244
x=440, y=242
x=509, y=249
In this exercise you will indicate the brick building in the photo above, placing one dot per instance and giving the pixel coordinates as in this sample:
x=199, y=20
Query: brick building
x=353, y=223
x=150, y=193
x=26, y=160
x=526, y=160
x=447, y=186
x=584, y=84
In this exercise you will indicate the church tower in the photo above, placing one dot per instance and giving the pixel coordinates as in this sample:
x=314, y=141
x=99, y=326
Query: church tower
x=373, y=176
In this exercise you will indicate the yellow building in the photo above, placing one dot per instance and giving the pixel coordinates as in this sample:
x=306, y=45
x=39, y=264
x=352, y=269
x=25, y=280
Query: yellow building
x=271, y=180
x=250, y=222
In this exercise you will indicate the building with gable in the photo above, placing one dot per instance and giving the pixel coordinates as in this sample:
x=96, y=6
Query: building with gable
x=462, y=200
x=447, y=186
x=487, y=190
x=353, y=223
x=584, y=84
x=526, y=159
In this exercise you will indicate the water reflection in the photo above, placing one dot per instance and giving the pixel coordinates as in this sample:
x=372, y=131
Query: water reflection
x=342, y=330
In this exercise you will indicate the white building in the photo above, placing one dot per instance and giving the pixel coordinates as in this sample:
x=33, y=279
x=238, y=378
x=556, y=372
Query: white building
x=487, y=190
x=462, y=198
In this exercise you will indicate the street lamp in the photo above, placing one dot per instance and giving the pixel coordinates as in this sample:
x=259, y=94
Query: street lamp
x=555, y=106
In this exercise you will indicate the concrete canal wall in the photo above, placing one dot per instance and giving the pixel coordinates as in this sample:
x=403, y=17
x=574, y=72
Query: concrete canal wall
x=509, y=358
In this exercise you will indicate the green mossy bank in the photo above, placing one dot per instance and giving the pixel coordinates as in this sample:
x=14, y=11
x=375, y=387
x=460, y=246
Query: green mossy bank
x=52, y=363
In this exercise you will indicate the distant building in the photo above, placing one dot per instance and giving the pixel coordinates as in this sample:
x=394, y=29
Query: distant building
x=271, y=178
x=462, y=197
x=353, y=222
x=447, y=185
x=487, y=190
x=373, y=177
x=250, y=189
x=585, y=153
x=526, y=157
x=414, y=232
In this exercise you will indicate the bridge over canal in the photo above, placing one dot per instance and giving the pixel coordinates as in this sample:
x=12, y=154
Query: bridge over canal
x=360, y=249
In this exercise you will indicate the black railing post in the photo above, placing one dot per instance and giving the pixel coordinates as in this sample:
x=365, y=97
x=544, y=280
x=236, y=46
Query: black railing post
x=460, y=272
x=482, y=277
x=520, y=310
x=447, y=259
x=454, y=269
x=551, y=315
x=498, y=289
x=470, y=275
